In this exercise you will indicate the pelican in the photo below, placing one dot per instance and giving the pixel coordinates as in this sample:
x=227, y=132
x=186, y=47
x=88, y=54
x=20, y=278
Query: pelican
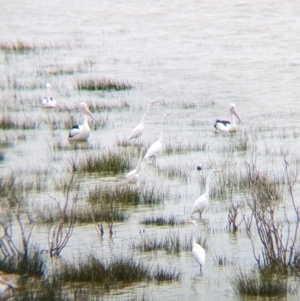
x=6, y=289
x=197, y=250
x=133, y=176
x=82, y=132
x=203, y=201
x=225, y=125
x=156, y=148
x=48, y=101
x=139, y=129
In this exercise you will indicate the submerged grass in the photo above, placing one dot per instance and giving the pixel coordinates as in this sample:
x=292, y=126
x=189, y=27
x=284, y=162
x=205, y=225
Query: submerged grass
x=102, y=83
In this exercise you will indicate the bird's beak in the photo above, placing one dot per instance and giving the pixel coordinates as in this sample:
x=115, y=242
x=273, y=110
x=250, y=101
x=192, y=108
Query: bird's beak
x=155, y=101
x=236, y=113
x=167, y=114
x=88, y=112
x=218, y=171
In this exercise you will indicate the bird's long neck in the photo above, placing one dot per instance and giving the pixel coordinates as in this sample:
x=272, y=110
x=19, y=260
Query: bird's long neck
x=48, y=93
x=207, y=184
x=232, y=119
x=85, y=121
x=138, y=167
x=161, y=130
x=142, y=121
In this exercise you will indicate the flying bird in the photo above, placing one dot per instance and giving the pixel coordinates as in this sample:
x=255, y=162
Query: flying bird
x=48, y=101
x=139, y=129
x=197, y=250
x=133, y=176
x=203, y=201
x=82, y=132
x=225, y=125
x=156, y=148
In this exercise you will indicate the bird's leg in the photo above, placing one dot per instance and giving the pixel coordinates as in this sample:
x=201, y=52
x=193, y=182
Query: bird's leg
x=201, y=269
x=154, y=160
x=200, y=214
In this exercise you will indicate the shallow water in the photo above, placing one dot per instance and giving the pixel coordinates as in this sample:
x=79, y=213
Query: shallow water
x=198, y=52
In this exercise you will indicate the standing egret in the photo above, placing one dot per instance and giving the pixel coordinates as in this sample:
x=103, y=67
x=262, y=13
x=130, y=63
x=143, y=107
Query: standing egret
x=225, y=125
x=48, y=101
x=203, y=201
x=133, y=176
x=197, y=250
x=82, y=132
x=139, y=129
x=156, y=148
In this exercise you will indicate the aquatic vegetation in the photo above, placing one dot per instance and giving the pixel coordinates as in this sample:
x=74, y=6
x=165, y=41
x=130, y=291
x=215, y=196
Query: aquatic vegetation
x=161, y=220
x=184, y=147
x=102, y=83
x=221, y=259
x=108, y=274
x=106, y=162
x=258, y=284
x=33, y=264
x=163, y=274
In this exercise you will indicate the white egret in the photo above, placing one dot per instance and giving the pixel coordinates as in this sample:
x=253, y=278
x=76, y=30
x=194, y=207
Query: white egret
x=197, y=250
x=203, y=201
x=48, y=101
x=156, y=148
x=225, y=125
x=133, y=176
x=139, y=129
x=82, y=132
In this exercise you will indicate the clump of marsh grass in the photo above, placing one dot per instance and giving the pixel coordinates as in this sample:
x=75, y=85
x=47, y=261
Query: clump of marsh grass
x=102, y=83
x=17, y=46
x=170, y=242
x=258, y=284
x=164, y=275
x=106, y=162
x=124, y=270
x=33, y=264
x=221, y=259
x=173, y=170
x=179, y=147
x=96, y=106
x=125, y=195
x=161, y=220
x=7, y=122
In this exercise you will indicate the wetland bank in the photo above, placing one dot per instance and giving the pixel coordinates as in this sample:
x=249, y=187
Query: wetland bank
x=71, y=226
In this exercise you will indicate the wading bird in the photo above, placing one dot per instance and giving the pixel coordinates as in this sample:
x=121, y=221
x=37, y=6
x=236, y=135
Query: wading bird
x=48, y=101
x=133, y=176
x=203, y=201
x=225, y=125
x=139, y=129
x=82, y=132
x=156, y=148
x=197, y=250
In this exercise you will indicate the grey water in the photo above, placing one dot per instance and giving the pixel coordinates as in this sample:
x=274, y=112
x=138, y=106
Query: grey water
x=196, y=57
